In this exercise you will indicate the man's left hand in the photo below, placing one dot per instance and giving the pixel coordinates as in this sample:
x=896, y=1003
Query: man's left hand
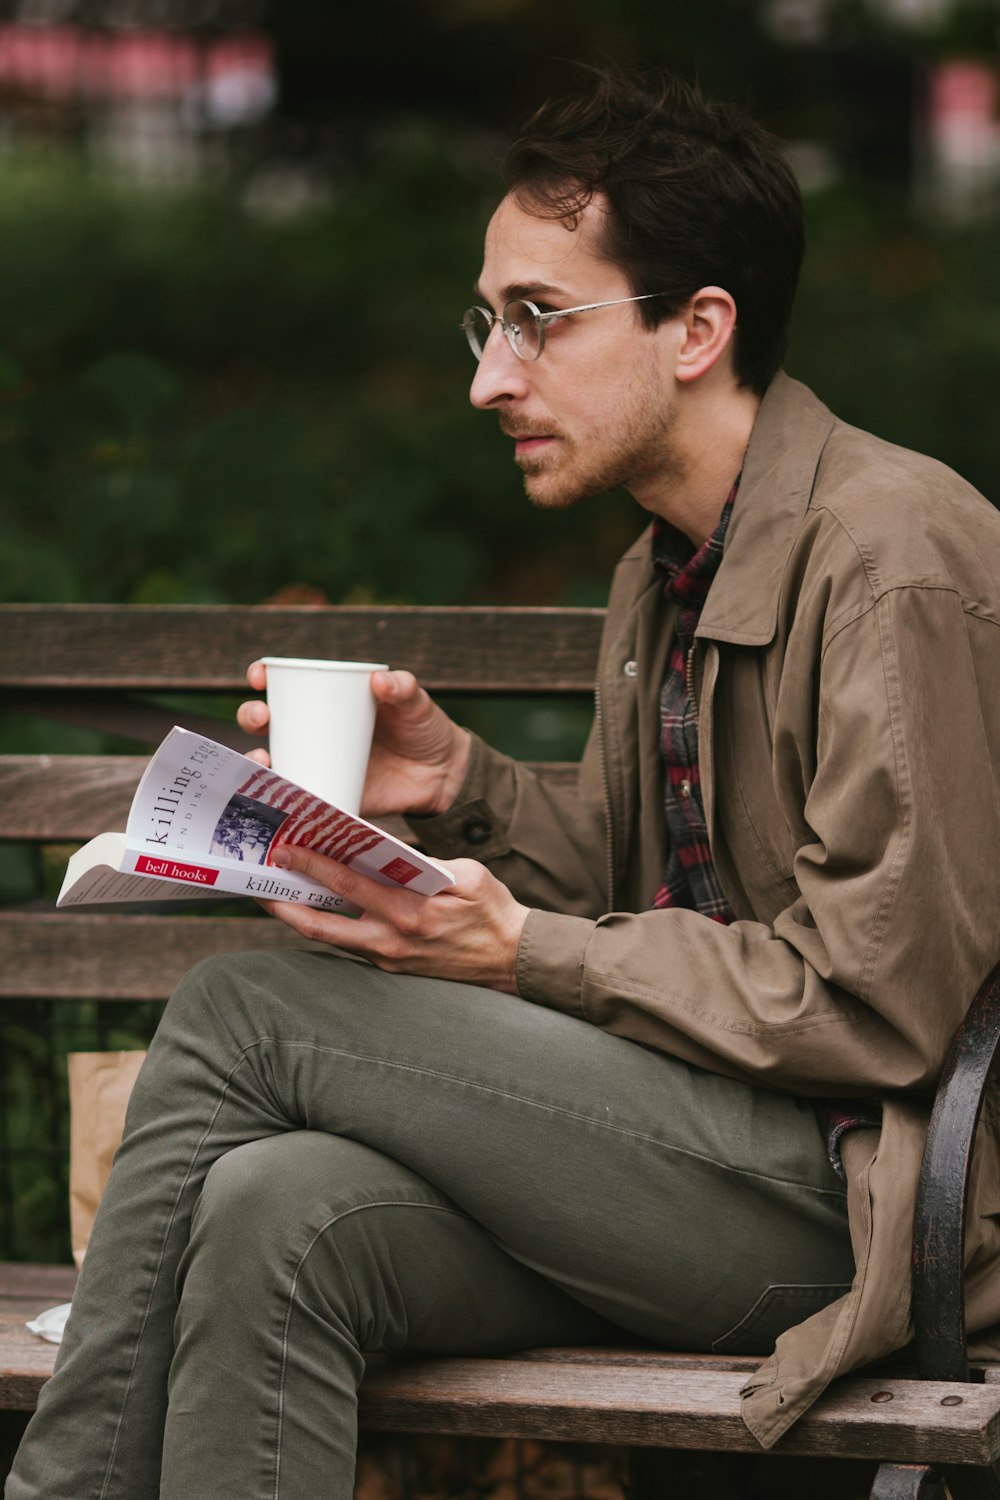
x=468, y=932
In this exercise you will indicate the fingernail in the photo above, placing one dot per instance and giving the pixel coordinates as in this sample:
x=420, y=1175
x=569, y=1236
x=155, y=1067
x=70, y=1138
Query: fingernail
x=281, y=858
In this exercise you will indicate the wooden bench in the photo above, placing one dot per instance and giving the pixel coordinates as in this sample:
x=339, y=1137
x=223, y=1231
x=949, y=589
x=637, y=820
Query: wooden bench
x=118, y=670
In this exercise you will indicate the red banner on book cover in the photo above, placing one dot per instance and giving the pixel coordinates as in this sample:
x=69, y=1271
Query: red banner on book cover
x=169, y=869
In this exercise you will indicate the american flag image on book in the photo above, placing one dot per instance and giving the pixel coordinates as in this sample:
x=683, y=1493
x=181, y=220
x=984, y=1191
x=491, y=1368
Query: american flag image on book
x=309, y=820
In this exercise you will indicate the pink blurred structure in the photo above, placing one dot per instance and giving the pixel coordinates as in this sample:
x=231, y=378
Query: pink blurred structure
x=235, y=73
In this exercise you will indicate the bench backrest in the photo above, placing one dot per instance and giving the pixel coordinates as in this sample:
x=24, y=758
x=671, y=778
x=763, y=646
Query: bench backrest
x=117, y=670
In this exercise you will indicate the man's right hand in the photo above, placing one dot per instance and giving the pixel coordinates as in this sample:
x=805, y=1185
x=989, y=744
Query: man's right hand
x=419, y=756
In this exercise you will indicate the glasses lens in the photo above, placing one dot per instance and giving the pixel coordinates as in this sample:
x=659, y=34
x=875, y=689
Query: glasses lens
x=477, y=324
x=524, y=329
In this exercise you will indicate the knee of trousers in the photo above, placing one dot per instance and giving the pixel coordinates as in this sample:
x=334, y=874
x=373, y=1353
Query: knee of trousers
x=233, y=997
x=222, y=974
x=240, y=993
x=329, y=1224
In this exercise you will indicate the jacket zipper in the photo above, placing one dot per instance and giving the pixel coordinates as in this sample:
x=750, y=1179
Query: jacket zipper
x=689, y=680
x=606, y=785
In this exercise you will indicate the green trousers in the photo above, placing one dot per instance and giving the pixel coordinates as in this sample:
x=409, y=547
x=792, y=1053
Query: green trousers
x=323, y=1160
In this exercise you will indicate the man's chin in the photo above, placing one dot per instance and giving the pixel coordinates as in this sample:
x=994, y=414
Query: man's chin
x=550, y=490
x=548, y=493
x=545, y=486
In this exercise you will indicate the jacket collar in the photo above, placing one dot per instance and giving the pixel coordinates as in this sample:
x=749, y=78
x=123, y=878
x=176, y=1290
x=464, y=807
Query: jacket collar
x=779, y=474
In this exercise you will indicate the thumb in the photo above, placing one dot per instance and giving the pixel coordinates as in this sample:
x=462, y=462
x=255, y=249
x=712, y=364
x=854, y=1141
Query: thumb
x=395, y=687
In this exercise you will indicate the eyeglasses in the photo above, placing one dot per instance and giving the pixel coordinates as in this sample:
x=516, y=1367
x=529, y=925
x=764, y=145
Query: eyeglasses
x=524, y=325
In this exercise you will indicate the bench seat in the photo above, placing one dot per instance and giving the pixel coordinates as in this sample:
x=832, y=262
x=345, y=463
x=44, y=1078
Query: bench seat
x=627, y=1396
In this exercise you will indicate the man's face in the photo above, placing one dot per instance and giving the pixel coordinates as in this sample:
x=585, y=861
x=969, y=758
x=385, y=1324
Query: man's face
x=596, y=410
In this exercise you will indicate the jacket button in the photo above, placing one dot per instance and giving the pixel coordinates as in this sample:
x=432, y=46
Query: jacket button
x=631, y=669
x=476, y=831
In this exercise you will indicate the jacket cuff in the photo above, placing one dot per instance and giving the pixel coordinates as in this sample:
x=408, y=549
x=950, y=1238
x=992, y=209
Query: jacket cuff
x=550, y=959
x=476, y=824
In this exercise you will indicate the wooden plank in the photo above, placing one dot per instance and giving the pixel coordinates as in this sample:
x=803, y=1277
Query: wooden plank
x=654, y=1359
x=30, y=1286
x=25, y=1360
x=691, y=1408
x=62, y=798
x=208, y=647
x=66, y=956
x=66, y=797
x=614, y=1402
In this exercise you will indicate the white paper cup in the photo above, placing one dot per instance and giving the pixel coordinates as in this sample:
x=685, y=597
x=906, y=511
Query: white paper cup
x=322, y=718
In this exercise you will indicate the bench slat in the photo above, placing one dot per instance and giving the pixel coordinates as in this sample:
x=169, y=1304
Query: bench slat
x=609, y=1401
x=200, y=647
x=116, y=957
x=73, y=797
x=66, y=797
x=690, y=1408
x=30, y=1287
x=25, y=1360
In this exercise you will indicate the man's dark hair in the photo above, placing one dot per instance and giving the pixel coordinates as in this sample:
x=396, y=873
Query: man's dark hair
x=699, y=195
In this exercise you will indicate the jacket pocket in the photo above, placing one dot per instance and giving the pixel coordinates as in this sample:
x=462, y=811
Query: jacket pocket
x=777, y=1308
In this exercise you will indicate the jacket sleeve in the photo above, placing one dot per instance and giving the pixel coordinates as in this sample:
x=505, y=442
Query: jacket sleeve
x=890, y=919
x=546, y=842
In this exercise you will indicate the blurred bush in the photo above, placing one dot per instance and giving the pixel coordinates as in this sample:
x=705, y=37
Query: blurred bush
x=200, y=401
x=898, y=328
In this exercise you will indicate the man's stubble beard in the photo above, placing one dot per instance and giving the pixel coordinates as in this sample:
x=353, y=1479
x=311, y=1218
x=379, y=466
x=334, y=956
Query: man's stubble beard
x=646, y=448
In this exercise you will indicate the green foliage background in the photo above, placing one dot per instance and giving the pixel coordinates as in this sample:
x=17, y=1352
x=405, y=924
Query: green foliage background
x=200, y=404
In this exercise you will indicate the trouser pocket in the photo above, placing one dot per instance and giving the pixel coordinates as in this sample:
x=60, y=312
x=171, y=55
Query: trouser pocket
x=777, y=1308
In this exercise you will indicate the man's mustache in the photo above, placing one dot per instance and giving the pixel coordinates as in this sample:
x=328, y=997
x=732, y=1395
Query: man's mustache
x=518, y=430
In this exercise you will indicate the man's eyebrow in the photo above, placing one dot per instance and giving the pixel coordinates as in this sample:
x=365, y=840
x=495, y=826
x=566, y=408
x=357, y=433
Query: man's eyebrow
x=521, y=290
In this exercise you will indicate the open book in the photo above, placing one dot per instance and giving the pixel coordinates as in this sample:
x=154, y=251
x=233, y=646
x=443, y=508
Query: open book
x=207, y=820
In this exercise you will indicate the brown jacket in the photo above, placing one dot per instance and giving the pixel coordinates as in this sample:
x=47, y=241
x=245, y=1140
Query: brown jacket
x=847, y=672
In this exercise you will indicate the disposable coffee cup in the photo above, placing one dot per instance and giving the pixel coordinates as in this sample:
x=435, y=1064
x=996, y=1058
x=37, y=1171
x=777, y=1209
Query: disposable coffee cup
x=322, y=720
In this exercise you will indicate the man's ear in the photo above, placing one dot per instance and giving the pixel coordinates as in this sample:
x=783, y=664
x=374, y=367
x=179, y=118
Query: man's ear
x=709, y=324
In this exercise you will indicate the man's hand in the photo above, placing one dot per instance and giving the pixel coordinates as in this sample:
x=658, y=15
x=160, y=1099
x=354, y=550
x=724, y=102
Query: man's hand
x=419, y=755
x=469, y=932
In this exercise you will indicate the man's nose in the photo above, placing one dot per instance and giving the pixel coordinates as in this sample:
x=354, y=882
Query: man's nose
x=500, y=376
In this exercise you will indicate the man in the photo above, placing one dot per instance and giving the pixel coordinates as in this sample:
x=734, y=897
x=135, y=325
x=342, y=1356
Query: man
x=777, y=877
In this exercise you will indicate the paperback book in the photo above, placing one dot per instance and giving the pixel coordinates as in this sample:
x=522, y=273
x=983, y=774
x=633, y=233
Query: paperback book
x=206, y=820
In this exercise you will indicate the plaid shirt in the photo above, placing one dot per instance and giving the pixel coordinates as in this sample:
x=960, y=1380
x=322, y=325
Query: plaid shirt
x=690, y=880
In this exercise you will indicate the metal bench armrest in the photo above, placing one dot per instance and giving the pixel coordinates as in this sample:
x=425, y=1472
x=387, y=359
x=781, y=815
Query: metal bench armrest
x=939, y=1227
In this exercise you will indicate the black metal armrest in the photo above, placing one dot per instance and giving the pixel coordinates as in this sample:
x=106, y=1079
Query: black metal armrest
x=939, y=1228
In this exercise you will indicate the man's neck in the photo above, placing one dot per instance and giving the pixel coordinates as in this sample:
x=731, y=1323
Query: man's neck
x=709, y=458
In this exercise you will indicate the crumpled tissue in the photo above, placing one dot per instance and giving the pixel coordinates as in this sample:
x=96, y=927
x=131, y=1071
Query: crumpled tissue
x=50, y=1323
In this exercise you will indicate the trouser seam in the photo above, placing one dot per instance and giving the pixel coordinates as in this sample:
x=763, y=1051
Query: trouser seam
x=836, y=1193
x=328, y=1224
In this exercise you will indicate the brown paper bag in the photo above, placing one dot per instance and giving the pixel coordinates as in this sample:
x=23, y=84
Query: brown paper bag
x=99, y=1087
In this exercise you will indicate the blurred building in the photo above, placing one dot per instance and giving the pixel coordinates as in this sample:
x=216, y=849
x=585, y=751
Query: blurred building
x=958, y=133
x=158, y=90
x=895, y=94
x=927, y=71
